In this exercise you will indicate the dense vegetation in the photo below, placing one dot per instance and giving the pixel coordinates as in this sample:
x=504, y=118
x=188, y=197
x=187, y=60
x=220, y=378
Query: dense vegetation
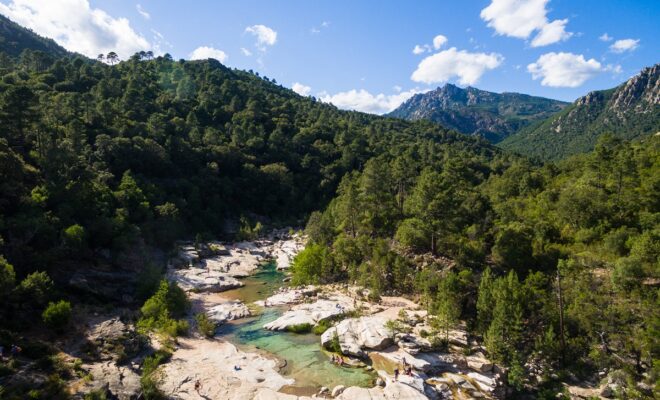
x=101, y=165
x=629, y=111
x=518, y=236
x=101, y=162
x=493, y=116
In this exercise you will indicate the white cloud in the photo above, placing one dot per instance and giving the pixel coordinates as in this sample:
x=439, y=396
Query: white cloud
x=397, y=88
x=552, y=32
x=301, y=89
x=564, y=69
x=142, y=11
x=521, y=18
x=419, y=49
x=323, y=25
x=205, y=52
x=265, y=35
x=605, y=37
x=77, y=26
x=438, y=41
x=449, y=64
x=624, y=45
x=362, y=100
x=246, y=52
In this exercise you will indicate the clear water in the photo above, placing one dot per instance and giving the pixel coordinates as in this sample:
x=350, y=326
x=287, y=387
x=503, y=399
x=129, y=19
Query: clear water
x=305, y=361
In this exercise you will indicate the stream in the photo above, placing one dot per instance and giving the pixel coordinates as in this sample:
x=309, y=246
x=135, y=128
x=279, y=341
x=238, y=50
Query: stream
x=305, y=360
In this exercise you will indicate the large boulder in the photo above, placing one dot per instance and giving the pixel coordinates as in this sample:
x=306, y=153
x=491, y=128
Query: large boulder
x=228, y=311
x=202, y=280
x=357, y=334
x=311, y=313
x=288, y=296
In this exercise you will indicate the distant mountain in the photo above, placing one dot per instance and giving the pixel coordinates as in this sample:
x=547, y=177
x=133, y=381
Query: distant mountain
x=493, y=116
x=15, y=38
x=628, y=111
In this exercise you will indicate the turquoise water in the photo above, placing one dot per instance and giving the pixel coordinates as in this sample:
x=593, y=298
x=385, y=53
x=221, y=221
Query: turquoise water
x=305, y=361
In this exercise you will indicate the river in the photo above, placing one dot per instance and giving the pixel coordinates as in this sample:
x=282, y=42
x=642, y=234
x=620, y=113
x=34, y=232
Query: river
x=305, y=360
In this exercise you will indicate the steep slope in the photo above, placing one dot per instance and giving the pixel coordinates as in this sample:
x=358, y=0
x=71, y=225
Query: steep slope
x=15, y=38
x=493, y=116
x=628, y=111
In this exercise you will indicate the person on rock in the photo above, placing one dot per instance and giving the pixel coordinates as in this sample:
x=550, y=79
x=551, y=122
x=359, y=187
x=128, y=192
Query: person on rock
x=396, y=373
x=198, y=386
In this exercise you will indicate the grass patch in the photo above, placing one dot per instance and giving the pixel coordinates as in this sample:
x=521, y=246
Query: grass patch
x=300, y=328
x=322, y=326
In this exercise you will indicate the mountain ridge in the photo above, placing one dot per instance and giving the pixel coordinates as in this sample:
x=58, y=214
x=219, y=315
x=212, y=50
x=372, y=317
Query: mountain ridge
x=627, y=111
x=14, y=39
x=473, y=111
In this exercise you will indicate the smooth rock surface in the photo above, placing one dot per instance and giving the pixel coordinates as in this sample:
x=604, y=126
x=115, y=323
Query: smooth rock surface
x=228, y=311
x=223, y=371
x=312, y=313
x=288, y=296
x=357, y=334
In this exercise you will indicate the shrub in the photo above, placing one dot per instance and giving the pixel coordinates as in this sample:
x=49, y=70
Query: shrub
x=205, y=326
x=322, y=326
x=300, y=328
x=148, y=380
x=334, y=345
x=161, y=309
x=57, y=315
x=7, y=277
x=36, y=289
x=74, y=237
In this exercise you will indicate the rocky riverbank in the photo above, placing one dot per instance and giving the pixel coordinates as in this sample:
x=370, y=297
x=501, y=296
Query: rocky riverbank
x=377, y=336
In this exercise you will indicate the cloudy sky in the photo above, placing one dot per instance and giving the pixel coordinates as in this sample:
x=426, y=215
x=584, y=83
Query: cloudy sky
x=371, y=58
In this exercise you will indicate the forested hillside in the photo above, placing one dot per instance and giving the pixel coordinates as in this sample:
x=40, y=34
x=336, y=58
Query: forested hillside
x=497, y=250
x=98, y=156
x=14, y=39
x=103, y=167
x=629, y=111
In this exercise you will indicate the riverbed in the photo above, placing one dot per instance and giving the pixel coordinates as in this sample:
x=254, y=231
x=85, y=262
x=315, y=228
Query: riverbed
x=301, y=355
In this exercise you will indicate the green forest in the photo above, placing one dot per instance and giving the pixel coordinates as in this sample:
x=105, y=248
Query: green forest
x=100, y=162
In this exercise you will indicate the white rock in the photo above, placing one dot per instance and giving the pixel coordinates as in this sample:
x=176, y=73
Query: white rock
x=337, y=390
x=223, y=371
x=228, y=311
x=311, y=313
x=356, y=334
x=288, y=296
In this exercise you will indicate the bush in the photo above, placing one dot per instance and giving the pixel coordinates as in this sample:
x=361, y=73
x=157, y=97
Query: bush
x=413, y=233
x=7, y=277
x=36, y=289
x=322, y=326
x=205, y=326
x=300, y=328
x=57, y=315
x=74, y=237
x=148, y=380
x=333, y=345
x=161, y=309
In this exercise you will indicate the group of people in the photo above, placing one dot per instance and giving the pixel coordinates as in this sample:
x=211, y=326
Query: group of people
x=13, y=351
x=337, y=360
x=406, y=369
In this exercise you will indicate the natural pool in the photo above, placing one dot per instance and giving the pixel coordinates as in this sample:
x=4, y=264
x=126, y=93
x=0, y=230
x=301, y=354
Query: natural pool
x=305, y=360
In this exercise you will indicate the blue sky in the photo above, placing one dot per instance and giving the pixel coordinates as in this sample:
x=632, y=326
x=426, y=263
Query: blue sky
x=359, y=54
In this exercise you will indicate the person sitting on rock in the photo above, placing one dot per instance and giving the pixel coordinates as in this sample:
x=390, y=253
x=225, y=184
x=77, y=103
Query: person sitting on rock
x=409, y=370
x=198, y=386
x=396, y=373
